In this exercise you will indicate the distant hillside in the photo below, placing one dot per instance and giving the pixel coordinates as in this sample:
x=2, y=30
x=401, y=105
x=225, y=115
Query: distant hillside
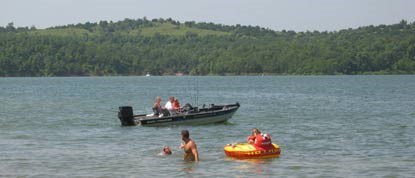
x=130, y=28
x=165, y=47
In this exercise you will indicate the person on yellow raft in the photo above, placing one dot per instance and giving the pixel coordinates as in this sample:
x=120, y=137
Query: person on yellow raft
x=259, y=146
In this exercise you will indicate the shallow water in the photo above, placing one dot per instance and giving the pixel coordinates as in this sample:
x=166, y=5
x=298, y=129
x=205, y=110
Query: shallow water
x=326, y=126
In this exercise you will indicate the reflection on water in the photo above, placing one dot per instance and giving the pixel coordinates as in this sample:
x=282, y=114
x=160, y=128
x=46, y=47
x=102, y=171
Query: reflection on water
x=189, y=166
x=253, y=166
x=258, y=161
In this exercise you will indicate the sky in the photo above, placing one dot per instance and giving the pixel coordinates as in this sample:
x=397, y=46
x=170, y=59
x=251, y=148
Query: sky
x=297, y=15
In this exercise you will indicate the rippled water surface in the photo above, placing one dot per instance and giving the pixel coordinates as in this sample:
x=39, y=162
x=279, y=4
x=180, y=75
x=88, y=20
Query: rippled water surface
x=326, y=126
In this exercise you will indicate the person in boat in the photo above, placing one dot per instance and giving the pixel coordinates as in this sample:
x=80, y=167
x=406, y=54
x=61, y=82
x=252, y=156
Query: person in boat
x=260, y=140
x=189, y=147
x=176, y=105
x=169, y=104
x=157, y=110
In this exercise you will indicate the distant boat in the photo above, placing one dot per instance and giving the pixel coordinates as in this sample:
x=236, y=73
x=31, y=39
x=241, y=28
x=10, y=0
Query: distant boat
x=188, y=116
x=148, y=74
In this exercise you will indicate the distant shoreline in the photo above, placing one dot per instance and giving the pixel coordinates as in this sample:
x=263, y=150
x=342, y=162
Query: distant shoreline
x=168, y=47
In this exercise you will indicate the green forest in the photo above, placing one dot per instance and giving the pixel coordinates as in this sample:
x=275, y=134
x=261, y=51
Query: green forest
x=167, y=47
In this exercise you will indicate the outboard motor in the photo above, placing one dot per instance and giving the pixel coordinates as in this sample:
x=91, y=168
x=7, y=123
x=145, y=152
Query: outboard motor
x=126, y=116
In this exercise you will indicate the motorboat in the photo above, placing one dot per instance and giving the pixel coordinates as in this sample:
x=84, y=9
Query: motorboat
x=188, y=115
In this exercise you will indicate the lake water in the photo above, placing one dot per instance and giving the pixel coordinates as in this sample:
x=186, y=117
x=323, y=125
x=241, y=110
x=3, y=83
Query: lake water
x=326, y=126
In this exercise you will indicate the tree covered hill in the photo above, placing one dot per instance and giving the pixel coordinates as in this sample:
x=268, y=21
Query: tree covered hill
x=165, y=46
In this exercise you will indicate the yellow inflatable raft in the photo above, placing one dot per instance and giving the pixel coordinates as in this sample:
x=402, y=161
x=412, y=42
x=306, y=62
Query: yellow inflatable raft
x=248, y=151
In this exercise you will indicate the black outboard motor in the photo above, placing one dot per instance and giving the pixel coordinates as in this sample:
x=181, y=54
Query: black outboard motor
x=126, y=116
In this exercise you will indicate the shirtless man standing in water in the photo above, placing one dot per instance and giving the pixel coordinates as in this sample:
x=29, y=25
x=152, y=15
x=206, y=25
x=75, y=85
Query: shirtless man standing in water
x=189, y=147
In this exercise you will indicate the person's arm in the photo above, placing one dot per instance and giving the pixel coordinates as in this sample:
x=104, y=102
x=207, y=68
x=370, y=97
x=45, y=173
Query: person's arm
x=195, y=153
x=251, y=139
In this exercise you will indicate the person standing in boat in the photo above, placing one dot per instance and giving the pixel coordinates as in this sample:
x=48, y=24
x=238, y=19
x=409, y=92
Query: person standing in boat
x=260, y=140
x=189, y=147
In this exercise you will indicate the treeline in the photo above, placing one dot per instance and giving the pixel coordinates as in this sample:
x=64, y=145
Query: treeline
x=126, y=48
